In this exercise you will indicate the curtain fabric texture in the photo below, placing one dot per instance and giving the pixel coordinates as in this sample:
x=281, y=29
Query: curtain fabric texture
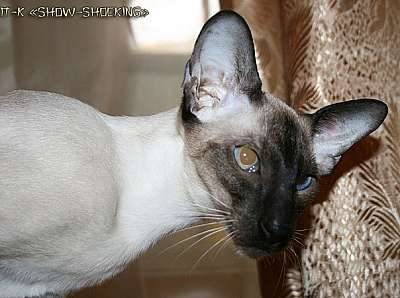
x=331, y=51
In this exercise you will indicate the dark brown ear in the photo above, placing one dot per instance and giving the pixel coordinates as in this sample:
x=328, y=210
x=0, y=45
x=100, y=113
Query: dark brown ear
x=221, y=68
x=339, y=126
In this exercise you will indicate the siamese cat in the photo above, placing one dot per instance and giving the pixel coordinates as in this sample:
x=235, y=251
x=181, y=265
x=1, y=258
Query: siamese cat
x=83, y=193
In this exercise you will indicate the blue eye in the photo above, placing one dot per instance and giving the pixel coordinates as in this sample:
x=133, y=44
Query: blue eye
x=305, y=184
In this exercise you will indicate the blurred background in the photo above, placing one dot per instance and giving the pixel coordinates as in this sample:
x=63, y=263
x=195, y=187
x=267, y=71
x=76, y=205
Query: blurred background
x=126, y=66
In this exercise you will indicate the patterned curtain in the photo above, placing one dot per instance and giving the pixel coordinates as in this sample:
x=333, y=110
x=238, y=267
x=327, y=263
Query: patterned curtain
x=331, y=51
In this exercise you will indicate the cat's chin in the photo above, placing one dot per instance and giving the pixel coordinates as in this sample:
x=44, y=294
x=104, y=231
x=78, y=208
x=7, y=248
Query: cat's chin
x=257, y=253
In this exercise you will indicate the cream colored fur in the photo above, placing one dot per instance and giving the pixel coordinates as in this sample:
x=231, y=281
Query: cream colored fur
x=83, y=193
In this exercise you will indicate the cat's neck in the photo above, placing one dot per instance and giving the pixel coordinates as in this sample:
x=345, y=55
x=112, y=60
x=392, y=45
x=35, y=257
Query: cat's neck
x=159, y=185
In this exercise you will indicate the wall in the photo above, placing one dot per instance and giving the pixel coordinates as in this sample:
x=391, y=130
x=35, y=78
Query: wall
x=7, y=78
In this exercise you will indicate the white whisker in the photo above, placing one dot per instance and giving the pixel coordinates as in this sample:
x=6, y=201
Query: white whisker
x=208, y=214
x=298, y=241
x=197, y=241
x=227, y=238
x=292, y=254
x=213, y=197
x=209, y=194
x=212, y=209
x=298, y=234
x=206, y=224
x=208, y=250
x=212, y=217
x=303, y=230
x=297, y=259
x=191, y=237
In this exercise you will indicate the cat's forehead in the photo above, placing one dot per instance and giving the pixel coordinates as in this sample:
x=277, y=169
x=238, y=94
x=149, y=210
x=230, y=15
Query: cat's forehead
x=281, y=122
x=269, y=121
x=242, y=124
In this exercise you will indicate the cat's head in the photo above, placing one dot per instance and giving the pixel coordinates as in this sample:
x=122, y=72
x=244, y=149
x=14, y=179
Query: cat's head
x=254, y=153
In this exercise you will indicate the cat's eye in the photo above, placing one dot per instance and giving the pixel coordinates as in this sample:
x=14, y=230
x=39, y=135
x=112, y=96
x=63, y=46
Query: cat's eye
x=246, y=158
x=305, y=184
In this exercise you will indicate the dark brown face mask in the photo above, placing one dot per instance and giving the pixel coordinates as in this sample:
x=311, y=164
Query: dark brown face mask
x=252, y=151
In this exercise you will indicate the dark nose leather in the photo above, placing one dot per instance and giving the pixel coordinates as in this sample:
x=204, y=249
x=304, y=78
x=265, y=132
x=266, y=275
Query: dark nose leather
x=276, y=232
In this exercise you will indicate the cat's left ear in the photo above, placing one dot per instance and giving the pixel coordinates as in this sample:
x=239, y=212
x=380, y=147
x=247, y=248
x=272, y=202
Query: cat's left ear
x=337, y=127
x=221, y=75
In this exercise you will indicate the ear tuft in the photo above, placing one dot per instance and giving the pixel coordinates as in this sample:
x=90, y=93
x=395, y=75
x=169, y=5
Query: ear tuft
x=221, y=68
x=339, y=126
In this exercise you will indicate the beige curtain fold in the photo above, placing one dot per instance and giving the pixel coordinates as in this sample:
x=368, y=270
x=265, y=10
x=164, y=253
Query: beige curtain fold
x=351, y=50
x=335, y=50
x=263, y=18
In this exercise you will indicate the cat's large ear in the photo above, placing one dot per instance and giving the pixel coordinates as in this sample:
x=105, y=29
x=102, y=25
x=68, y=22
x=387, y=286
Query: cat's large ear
x=338, y=126
x=221, y=75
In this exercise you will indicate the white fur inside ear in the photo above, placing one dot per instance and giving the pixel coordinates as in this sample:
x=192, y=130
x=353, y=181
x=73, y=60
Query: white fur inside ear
x=330, y=143
x=218, y=50
x=216, y=95
x=213, y=87
x=339, y=126
x=324, y=158
x=230, y=105
x=221, y=66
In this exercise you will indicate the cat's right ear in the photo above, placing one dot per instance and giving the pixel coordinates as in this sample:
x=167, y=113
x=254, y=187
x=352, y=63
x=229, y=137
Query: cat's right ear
x=221, y=76
x=337, y=127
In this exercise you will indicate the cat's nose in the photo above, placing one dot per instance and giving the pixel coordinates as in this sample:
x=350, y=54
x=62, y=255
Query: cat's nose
x=275, y=232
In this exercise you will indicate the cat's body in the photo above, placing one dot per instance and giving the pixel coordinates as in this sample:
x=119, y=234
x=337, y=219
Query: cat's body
x=91, y=194
x=83, y=193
